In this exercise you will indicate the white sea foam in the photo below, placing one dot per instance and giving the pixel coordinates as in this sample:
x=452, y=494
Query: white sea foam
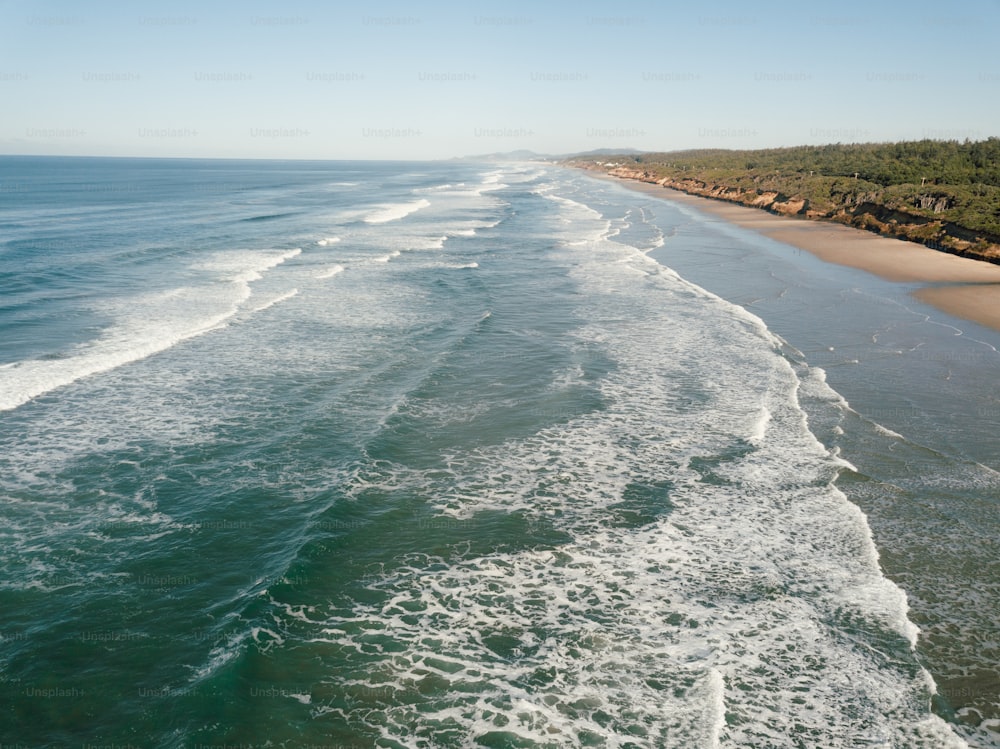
x=749, y=590
x=570, y=377
x=449, y=266
x=470, y=228
x=396, y=211
x=328, y=241
x=147, y=325
x=887, y=431
x=246, y=265
x=759, y=429
x=436, y=188
x=491, y=182
x=222, y=654
x=737, y=611
x=330, y=272
x=435, y=244
x=276, y=300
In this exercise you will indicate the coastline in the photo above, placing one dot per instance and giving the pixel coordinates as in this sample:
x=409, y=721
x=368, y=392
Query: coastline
x=962, y=287
x=922, y=410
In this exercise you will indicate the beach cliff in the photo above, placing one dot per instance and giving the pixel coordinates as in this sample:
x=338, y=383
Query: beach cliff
x=860, y=211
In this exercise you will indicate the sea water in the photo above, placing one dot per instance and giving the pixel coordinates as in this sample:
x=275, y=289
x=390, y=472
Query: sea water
x=451, y=454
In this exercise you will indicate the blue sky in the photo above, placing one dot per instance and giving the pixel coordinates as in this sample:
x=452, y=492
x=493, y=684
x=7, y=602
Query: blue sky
x=307, y=79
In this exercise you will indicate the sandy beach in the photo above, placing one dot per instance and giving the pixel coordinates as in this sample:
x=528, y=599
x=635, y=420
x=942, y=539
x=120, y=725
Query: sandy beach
x=965, y=288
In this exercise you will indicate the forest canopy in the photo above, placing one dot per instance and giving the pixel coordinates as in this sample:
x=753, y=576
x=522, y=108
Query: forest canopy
x=952, y=181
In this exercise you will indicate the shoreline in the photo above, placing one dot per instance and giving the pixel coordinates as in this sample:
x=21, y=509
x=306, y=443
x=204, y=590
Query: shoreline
x=926, y=413
x=962, y=287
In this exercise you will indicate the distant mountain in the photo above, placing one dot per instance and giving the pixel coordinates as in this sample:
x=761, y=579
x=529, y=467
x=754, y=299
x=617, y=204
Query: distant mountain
x=526, y=155
x=520, y=155
x=602, y=152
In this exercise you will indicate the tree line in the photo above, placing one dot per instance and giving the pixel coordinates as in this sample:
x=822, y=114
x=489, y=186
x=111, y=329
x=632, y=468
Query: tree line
x=948, y=180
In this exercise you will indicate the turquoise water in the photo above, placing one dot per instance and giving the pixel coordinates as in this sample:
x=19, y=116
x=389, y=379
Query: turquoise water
x=404, y=454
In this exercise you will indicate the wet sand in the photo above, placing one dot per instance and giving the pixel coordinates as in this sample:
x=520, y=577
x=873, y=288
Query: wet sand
x=965, y=288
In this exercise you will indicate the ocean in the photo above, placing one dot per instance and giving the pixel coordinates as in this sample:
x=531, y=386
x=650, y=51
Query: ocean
x=450, y=454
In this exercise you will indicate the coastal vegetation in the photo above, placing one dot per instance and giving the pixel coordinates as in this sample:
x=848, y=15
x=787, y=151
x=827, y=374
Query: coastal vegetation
x=945, y=194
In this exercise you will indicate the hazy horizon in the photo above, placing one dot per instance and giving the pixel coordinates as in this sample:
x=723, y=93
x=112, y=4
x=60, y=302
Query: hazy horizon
x=398, y=81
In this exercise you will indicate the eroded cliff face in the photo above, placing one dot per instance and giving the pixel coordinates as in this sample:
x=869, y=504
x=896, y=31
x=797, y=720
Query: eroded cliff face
x=862, y=212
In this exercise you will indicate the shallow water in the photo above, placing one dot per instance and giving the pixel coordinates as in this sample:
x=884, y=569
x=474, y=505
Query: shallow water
x=438, y=455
